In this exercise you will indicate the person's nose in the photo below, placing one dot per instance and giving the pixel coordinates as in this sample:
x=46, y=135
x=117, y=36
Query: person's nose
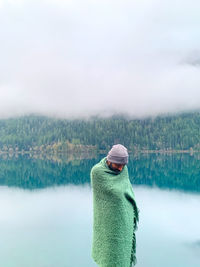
x=120, y=168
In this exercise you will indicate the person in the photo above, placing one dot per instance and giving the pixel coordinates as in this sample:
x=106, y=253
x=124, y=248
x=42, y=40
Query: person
x=115, y=213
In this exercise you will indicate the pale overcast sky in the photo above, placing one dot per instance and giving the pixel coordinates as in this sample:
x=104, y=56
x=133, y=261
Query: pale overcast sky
x=79, y=58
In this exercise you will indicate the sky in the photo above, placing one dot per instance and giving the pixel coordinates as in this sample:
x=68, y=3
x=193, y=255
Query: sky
x=74, y=58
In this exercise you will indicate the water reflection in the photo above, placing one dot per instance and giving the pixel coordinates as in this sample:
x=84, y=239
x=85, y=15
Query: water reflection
x=53, y=227
x=33, y=173
x=176, y=171
x=169, y=221
x=50, y=227
x=196, y=244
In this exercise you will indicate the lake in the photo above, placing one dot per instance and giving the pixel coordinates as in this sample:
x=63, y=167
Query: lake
x=46, y=210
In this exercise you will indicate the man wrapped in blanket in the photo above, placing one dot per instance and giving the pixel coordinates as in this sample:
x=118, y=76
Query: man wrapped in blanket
x=115, y=213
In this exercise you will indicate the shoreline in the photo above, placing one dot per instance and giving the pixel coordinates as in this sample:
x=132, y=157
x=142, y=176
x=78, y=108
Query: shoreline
x=142, y=151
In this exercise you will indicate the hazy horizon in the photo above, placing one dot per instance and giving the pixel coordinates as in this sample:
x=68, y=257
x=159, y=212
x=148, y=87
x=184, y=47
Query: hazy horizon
x=72, y=59
x=105, y=115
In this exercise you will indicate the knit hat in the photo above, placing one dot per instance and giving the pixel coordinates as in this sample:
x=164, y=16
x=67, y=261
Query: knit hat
x=118, y=154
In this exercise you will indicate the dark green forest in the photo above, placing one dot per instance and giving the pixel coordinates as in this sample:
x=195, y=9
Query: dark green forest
x=170, y=132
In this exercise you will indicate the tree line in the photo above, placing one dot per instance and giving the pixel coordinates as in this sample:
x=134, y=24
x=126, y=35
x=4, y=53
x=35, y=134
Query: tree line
x=170, y=132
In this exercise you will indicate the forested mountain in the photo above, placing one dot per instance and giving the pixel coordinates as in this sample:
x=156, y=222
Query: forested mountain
x=179, y=132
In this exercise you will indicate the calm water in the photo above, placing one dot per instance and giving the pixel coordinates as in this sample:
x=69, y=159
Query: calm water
x=46, y=211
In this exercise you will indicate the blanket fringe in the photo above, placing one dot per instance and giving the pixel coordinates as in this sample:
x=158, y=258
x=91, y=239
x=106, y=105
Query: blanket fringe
x=135, y=225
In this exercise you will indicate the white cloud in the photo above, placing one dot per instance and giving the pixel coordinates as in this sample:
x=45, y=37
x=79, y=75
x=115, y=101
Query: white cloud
x=77, y=58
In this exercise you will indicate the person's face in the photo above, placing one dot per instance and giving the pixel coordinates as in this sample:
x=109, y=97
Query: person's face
x=115, y=166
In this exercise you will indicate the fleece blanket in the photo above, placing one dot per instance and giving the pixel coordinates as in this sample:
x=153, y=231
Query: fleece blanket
x=115, y=217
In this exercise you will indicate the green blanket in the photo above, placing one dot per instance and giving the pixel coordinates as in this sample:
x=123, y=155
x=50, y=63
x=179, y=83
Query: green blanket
x=115, y=217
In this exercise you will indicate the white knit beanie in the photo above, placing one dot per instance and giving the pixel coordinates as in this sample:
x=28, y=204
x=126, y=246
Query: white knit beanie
x=118, y=154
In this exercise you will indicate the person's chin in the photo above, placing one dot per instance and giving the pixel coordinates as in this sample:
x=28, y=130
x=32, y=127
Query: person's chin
x=116, y=170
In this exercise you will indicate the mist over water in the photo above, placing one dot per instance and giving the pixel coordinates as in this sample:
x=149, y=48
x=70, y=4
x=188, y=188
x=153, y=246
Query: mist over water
x=169, y=228
x=53, y=227
x=46, y=211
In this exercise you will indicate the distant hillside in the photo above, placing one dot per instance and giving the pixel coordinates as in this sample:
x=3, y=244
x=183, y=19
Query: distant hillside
x=175, y=132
